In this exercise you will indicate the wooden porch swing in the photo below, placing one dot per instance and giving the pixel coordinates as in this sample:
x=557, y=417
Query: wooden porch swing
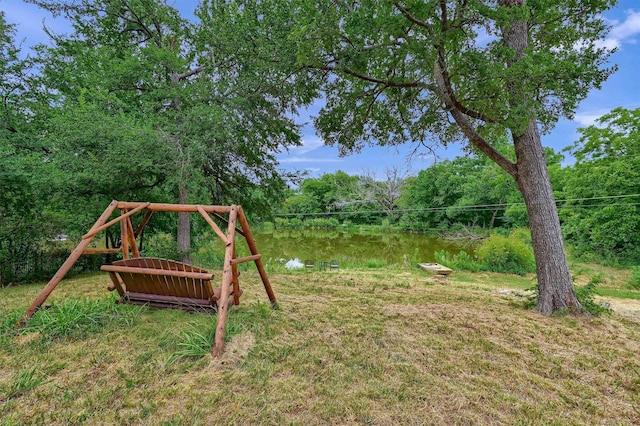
x=166, y=283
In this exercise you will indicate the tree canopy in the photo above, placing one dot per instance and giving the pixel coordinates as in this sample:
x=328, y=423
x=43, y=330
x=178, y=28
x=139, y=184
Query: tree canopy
x=139, y=98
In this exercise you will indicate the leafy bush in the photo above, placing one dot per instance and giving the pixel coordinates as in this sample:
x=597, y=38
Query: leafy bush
x=634, y=281
x=461, y=261
x=585, y=296
x=498, y=253
x=162, y=245
x=506, y=254
x=208, y=251
x=320, y=222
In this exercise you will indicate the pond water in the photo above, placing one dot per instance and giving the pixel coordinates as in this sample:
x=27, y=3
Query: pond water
x=353, y=247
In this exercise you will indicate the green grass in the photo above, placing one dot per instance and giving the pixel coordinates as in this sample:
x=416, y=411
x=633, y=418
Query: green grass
x=355, y=346
x=24, y=381
x=618, y=293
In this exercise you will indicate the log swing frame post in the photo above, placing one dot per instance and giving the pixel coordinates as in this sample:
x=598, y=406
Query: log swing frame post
x=129, y=248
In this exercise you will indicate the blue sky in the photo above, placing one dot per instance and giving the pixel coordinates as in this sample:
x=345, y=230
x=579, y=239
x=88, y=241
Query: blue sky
x=622, y=89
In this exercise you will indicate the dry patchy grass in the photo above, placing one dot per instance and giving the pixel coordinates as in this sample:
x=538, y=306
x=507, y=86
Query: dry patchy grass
x=386, y=346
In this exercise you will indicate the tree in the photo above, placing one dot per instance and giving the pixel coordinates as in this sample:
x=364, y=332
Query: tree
x=329, y=192
x=26, y=223
x=434, y=192
x=443, y=70
x=602, y=215
x=210, y=121
x=382, y=194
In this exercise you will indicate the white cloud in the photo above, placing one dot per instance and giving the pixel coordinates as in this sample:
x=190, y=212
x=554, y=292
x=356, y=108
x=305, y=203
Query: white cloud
x=629, y=28
x=589, y=118
x=608, y=43
x=310, y=160
x=623, y=31
x=309, y=143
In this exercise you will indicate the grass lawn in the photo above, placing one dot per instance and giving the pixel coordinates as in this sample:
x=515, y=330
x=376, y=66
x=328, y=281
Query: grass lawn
x=368, y=346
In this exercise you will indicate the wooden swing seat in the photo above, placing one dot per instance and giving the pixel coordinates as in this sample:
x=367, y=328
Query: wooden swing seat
x=164, y=283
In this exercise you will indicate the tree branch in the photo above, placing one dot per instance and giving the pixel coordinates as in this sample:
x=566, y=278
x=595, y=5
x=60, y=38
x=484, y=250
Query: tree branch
x=440, y=48
x=189, y=73
x=413, y=19
x=468, y=129
x=447, y=86
x=138, y=21
x=387, y=83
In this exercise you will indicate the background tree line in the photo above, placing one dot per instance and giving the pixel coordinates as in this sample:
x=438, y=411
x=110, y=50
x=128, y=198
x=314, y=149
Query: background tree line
x=598, y=196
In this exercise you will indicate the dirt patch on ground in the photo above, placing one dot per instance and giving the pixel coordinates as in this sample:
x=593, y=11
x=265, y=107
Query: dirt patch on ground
x=515, y=292
x=626, y=308
x=235, y=350
x=438, y=279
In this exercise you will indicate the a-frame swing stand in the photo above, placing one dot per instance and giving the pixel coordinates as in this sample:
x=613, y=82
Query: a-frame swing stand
x=160, y=282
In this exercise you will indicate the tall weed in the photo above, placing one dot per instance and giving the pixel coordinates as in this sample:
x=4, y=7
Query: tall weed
x=634, y=281
x=79, y=318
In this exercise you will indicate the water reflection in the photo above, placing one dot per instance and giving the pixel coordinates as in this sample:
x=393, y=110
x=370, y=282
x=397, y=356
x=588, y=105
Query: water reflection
x=354, y=247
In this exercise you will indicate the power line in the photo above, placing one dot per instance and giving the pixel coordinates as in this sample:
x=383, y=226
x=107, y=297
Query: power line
x=477, y=207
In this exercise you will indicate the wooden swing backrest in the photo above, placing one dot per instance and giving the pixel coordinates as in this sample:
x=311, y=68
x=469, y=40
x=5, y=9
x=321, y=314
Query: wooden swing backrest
x=194, y=286
x=162, y=282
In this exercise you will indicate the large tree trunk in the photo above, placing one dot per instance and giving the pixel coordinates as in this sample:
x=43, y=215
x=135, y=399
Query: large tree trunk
x=184, y=229
x=555, y=286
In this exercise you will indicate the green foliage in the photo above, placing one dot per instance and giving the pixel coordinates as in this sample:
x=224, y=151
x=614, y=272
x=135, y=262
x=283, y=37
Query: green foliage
x=461, y=261
x=129, y=113
x=506, y=254
x=25, y=220
x=510, y=254
x=23, y=382
x=76, y=319
x=209, y=251
x=634, y=281
x=161, y=245
x=339, y=193
x=586, y=295
x=448, y=193
x=289, y=222
x=308, y=222
x=603, y=221
x=319, y=222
